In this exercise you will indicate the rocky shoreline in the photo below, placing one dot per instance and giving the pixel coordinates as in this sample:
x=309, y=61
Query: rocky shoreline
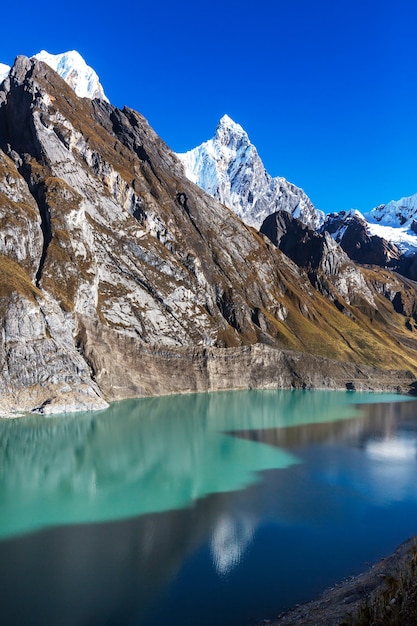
x=126, y=369
x=386, y=594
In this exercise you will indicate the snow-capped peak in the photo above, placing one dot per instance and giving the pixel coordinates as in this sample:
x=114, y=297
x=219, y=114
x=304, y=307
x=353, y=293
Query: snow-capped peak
x=229, y=168
x=396, y=222
x=4, y=71
x=75, y=71
x=396, y=212
x=227, y=130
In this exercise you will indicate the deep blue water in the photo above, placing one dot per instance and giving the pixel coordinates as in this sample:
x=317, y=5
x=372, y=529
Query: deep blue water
x=211, y=510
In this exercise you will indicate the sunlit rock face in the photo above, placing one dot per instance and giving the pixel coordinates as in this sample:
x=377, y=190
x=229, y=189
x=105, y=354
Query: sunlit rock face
x=121, y=278
x=229, y=168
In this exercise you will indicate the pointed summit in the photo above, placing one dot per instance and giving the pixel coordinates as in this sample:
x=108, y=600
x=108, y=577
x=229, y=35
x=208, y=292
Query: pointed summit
x=229, y=168
x=75, y=71
x=226, y=124
x=230, y=134
x=227, y=121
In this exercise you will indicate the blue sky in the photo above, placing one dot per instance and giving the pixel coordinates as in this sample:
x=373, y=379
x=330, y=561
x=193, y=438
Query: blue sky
x=326, y=89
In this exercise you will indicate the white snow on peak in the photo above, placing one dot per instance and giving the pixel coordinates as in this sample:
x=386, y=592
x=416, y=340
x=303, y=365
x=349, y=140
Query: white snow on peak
x=355, y=213
x=401, y=236
x=396, y=222
x=396, y=212
x=75, y=71
x=392, y=222
x=4, y=71
x=229, y=168
x=227, y=125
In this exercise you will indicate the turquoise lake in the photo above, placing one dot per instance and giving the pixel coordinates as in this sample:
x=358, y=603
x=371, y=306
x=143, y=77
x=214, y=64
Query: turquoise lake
x=218, y=509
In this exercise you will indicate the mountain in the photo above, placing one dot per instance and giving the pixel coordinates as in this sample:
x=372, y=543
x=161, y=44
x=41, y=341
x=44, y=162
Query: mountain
x=4, y=70
x=73, y=69
x=396, y=222
x=351, y=230
x=396, y=213
x=121, y=278
x=76, y=73
x=385, y=236
x=229, y=168
x=328, y=267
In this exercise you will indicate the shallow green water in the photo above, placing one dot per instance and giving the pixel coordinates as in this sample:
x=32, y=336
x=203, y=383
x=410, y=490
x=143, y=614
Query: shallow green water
x=146, y=456
x=212, y=509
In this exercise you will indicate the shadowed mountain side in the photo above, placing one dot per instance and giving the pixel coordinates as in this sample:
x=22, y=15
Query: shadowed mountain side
x=128, y=279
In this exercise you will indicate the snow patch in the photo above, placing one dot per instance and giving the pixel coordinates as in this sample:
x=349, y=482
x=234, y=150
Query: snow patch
x=75, y=71
x=4, y=71
x=401, y=236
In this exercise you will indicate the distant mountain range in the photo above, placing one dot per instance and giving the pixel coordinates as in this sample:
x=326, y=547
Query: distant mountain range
x=120, y=277
x=229, y=168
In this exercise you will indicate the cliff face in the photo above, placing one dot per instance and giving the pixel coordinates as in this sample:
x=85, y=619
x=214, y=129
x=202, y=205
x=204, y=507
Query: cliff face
x=119, y=277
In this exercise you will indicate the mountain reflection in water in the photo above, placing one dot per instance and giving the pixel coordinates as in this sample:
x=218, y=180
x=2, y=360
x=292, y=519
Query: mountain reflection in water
x=200, y=530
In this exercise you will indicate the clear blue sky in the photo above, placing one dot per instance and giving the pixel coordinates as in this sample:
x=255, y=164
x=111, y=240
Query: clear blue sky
x=326, y=89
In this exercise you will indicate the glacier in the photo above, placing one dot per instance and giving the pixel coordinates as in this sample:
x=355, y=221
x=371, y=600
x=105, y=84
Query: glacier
x=396, y=222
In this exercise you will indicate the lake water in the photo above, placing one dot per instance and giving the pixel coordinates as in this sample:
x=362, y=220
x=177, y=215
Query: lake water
x=200, y=510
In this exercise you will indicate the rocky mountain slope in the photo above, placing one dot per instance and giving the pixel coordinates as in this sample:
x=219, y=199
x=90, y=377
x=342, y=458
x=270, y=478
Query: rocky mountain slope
x=228, y=167
x=368, y=242
x=119, y=277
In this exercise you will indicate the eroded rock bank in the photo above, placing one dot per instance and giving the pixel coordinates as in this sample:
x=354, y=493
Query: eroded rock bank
x=384, y=595
x=126, y=368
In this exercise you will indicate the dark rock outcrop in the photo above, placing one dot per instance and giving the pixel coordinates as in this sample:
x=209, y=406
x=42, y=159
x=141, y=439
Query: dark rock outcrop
x=329, y=269
x=350, y=230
